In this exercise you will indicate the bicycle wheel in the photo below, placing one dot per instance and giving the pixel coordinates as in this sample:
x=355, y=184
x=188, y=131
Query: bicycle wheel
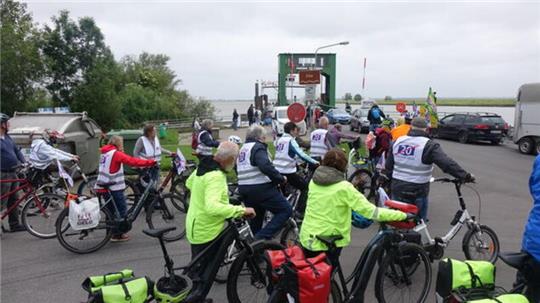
x=404, y=275
x=481, y=245
x=225, y=266
x=362, y=180
x=289, y=235
x=39, y=217
x=168, y=211
x=84, y=241
x=178, y=187
x=248, y=278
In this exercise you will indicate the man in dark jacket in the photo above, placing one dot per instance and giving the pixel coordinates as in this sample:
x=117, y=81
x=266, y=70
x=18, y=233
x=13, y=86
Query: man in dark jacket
x=375, y=117
x=10, y=156
x=258, y=182
x=410, y=165
x=250, y=114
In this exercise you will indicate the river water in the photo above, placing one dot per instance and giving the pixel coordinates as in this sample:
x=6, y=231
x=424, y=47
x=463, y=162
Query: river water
x=224, y=109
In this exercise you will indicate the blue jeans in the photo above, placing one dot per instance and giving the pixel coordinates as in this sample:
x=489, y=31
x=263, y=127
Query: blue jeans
x=420, y=202
x=266, y=197
x=121, y=205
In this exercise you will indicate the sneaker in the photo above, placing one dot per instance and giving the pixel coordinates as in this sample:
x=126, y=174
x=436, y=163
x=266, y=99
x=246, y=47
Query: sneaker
x=16, y=228
x=120, y=238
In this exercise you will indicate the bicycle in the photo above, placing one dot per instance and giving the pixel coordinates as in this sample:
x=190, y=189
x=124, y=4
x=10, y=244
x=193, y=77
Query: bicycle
x=473, y=241
x=40, y=210
x=518, y=261
x=238, y=232
x=403, y=266
x=159, y=208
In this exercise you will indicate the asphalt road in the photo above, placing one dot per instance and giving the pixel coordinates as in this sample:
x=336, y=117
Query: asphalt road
x=35, y=270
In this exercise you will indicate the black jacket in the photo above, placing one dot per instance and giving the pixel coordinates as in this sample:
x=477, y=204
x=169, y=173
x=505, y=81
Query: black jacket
x=259, y=158
x=433, y=154
x=373, y=120
x=207, y=140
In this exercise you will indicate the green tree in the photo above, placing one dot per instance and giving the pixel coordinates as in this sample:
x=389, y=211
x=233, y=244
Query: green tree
x=21, y=66
x=98, y=94
x=347, y=97
x=388, y=98
x=71, y=49
x=357, y=97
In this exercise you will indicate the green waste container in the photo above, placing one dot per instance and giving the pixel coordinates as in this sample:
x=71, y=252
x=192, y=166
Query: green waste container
x=130, y=137
x=162, y=130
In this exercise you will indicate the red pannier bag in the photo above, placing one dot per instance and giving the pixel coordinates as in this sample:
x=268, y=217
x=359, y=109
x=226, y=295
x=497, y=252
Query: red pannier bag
x=308, y=279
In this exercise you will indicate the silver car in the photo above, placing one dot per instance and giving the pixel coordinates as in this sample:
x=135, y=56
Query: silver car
x=359, y=120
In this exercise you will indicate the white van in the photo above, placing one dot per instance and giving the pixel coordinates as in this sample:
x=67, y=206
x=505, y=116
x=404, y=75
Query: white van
x=527, y=119
x=279, y=118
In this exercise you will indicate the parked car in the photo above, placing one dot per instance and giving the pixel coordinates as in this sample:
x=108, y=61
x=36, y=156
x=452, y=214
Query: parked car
x=338, y=115
x=279, y=118
x=466, y=127
x=526, y=126
x=359, y=120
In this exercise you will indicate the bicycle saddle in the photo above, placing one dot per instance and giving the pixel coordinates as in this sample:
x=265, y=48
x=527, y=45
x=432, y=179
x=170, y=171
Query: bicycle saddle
x=158, y=232
x=514, y=259
x=106, y=185
x=330, y=240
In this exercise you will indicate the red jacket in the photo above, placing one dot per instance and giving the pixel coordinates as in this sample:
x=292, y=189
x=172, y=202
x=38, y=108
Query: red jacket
x=121, y=158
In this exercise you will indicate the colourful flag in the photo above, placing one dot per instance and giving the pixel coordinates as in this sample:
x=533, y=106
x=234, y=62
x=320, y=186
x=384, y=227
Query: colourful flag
x=64, y=174
x=431, y=108
x=180, y=161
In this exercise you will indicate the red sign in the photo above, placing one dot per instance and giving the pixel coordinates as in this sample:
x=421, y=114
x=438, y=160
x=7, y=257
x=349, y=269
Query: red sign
x=296, y=112
x=310, y=77
x=401, y=107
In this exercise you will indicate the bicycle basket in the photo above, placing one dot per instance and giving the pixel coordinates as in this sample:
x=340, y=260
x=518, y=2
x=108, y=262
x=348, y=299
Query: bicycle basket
x=172, y=289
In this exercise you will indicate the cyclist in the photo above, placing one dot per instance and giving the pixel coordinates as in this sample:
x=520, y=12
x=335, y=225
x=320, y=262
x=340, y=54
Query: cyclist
x=10, y=157
x=383, y=139
x=287, y=150
x=111, y=172
x=331, y=200
x=208, y=209
x=531, y=241
x=320, y=141
x=375, y=117
x=403, y=127
x=205, y=141
x=43, y=153
x=335, y=135
x=257, y=183
x=148, y=147
x=410, y=163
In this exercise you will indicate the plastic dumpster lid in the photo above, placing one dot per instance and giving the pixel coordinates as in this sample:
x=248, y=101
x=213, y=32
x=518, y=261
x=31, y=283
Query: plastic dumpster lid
x=25, y=123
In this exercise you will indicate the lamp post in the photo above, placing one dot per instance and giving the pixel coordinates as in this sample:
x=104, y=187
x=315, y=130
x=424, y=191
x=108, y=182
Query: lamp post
x=326, y=46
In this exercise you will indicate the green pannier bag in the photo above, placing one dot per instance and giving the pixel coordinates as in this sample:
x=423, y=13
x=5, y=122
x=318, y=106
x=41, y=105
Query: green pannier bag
x=507, y=298
x=118, y=287
x=462, y=275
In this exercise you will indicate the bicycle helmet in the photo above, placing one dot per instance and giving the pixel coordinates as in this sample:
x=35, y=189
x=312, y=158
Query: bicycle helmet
x=360, y=221
x=235, y=139
x=388, y=122
x=4, y=117
x=52, y=136
x=172, y=289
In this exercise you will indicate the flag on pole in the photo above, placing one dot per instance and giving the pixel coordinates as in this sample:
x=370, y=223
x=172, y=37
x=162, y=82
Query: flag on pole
x=414, y=109
x=180, y=161
x=431, y=110
x=64, y=174
x=364, y=77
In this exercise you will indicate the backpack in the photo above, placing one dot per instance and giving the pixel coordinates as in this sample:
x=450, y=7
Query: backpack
x=306, y=280
x=376, y=113
x=118, y=287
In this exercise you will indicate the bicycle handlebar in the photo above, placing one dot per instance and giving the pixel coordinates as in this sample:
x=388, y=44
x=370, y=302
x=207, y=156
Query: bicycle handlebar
x=450, y=180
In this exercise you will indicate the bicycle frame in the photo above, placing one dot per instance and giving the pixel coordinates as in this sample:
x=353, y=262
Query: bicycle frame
x=28, y=191
x=134, y=211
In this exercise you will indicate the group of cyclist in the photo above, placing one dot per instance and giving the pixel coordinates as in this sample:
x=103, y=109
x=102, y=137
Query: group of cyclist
x=327, y=201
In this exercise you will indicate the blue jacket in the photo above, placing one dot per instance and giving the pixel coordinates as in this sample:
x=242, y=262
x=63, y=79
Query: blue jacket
x=10, y=154
x=531, y=236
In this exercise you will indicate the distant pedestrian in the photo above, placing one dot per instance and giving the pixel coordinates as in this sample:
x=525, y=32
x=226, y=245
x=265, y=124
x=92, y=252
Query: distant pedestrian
x=250, y=114
x=235, y=119
x=348, y=107
x=257, y=117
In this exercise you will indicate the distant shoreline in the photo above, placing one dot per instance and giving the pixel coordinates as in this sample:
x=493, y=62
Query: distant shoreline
x=481, y=102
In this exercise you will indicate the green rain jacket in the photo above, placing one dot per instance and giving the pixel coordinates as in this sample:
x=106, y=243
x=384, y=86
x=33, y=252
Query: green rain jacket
x=330, y=203
x=209, y=205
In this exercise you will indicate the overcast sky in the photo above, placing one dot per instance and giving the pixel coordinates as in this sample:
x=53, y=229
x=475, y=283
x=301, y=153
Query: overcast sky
x=219, y=49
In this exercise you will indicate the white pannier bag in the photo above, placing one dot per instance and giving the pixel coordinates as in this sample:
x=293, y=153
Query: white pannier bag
x=85, y=214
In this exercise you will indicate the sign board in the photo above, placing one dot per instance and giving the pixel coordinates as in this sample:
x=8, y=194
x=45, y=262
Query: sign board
x=401, y=107
x=296, y=112
x=310, y=77
x=310, y=93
